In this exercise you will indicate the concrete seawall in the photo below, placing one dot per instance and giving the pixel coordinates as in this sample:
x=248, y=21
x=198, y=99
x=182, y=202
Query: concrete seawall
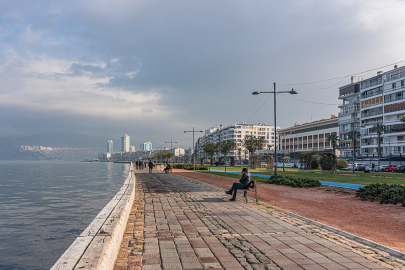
x=98, y=245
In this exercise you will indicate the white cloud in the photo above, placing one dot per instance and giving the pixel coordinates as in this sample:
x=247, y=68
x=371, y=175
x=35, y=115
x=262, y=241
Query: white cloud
x=38, y=84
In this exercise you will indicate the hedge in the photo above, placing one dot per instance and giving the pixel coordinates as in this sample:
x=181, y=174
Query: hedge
x=383, y=193
x=188, y=166
x=294, y=181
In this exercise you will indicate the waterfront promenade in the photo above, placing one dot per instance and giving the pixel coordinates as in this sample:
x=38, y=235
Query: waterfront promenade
x=180, y=223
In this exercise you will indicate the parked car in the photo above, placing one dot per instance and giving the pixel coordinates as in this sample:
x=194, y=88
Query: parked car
x=368, y=168
x=359, y=166
x=400, y=169
x=390, y=168
x=380, y=168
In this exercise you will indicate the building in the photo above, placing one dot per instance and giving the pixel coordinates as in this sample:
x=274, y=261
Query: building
x=132, y=149
x=381, y=99
x=125, y=143
x=237, y=133
x=147, y=146
x=110, y=146
x=178, y=152
x=349, y=117
x=309, y=136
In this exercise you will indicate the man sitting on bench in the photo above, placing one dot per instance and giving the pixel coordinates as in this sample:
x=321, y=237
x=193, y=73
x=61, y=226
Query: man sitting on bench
x=243, y=183
x=168, y=167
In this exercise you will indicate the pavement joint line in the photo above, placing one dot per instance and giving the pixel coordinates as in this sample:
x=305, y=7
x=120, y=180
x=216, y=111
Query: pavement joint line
x=350, y=236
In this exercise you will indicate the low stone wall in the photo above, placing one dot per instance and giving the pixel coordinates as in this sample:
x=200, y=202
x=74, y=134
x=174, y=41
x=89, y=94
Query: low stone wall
x=98, y=245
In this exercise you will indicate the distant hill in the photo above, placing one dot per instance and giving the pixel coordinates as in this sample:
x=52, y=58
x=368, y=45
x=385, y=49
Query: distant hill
x=63, y=139
x=10, y=150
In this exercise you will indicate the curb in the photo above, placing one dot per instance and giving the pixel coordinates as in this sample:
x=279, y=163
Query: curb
x=98, y=245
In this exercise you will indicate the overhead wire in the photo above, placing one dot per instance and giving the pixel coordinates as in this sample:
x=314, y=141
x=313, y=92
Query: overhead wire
x=313, y=102
x=313, y=84
x=343, y=77
x=250, y=109
x=259, y=108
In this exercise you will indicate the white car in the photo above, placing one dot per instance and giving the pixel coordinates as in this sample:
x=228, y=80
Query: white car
x=380, y=168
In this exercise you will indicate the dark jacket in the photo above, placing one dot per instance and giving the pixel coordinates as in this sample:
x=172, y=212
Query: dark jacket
x=246, y=178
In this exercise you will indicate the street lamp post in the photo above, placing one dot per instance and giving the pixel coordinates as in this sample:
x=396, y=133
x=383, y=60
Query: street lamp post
x=389, y=151
x=171, y=149
x=193, y=145
x=219, y=155
x=275, y=92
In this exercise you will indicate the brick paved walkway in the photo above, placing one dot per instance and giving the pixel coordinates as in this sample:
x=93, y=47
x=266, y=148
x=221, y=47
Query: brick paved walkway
x=181, y=223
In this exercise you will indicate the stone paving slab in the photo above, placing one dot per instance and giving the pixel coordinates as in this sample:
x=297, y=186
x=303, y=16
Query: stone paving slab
x=181, y=223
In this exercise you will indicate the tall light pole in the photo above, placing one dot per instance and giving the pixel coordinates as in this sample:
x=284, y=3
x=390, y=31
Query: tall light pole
x=292, y=92
x=219, y=156
x=193, y=145
x=171, y=149
x=389, y=150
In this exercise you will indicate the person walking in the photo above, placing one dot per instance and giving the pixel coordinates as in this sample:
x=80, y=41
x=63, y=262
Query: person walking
x=243, y=183
x=151, y=165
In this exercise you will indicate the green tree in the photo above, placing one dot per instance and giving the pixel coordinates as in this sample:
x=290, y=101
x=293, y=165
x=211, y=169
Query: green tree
x=333, y=139
x=252, y=144
x=210, y=149
x=225, y=147
x=379, y=129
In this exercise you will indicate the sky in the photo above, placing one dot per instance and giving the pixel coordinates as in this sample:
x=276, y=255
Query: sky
x=153, y=69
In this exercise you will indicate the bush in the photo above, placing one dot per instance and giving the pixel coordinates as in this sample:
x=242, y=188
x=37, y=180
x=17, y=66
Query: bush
x=315, y=162
x=188, y=166
x=293, y=181
x=341, y=163
x=383, y=193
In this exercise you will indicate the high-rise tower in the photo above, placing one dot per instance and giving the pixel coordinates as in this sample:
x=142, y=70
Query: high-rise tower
x=147, y=146
x=125, y=143
x=110, y=148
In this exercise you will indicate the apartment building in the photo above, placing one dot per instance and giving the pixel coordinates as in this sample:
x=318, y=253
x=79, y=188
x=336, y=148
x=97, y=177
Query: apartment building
x=309, y=136
x=380, y=99
x=349, y=117
x=237, y=133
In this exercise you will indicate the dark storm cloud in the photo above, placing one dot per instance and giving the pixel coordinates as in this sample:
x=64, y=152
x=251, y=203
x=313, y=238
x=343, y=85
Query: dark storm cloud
x=180, y=64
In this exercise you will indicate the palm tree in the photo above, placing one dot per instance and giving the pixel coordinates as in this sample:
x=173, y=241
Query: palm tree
x=225, y=147
x=379, y=129
x=333, y=138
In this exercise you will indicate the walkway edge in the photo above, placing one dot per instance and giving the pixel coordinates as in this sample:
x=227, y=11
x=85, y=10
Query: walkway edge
x=350, y=236
x=98, y=245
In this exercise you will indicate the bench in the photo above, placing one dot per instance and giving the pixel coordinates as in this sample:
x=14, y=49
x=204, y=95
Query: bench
x=252, y=186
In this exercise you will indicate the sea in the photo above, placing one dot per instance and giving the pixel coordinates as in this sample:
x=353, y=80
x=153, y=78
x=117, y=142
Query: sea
x=45, y=205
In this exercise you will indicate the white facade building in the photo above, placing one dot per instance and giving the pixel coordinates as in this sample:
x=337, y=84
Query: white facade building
x=178, y=152
x=310, y=136
x=125, y=143
x=236, y=133
x=110, y=146
x=379, y=99
x=147, y=146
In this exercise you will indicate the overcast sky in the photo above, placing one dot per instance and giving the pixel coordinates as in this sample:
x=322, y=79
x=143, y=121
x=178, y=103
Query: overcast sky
x=152, y=69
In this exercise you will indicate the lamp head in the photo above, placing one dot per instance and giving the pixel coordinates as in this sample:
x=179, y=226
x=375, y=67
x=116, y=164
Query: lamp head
x=293, y=92
x=185, y=131
x=256, y=93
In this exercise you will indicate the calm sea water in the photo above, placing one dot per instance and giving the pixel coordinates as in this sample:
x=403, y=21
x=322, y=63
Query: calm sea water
x=44, y=206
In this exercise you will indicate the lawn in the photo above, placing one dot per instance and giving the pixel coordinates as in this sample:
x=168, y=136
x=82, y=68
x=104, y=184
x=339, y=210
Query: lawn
x=343, y=176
